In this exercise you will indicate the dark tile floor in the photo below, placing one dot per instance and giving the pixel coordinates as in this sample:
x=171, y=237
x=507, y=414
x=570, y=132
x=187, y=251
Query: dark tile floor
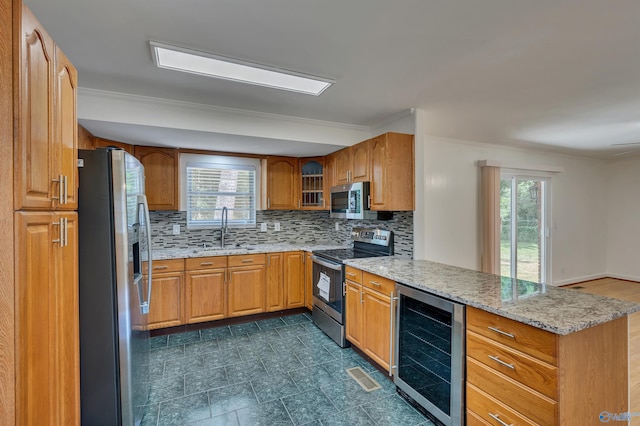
x=279, y=371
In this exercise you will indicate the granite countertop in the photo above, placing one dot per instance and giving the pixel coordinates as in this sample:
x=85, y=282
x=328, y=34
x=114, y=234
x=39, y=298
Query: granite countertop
x=558, y=310
x=179, y=253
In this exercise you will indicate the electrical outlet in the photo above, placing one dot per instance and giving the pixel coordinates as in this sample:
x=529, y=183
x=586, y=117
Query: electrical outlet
x=337, y=226
x=176, y=229
x=263, y=227
x=276, y=226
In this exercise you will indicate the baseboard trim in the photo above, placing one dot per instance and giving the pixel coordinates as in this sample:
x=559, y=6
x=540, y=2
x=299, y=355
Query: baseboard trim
x=579, y=280
x=624, y=277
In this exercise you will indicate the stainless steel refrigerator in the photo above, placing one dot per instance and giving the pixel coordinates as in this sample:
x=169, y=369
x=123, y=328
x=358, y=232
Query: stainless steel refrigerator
x=114, y=239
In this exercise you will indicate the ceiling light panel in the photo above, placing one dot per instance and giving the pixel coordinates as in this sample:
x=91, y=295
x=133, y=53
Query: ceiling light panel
x=194, y=62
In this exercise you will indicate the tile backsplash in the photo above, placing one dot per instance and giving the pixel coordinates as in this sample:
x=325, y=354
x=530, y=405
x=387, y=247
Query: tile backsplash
x=295, y=227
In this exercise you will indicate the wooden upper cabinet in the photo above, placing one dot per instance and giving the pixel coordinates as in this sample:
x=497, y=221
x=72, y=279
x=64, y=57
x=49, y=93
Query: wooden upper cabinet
x=161, y=176
x=34, y=150
x=313, y=184
x=46, y=148
x=282, y=183
x=103, y=143
x=329, y=174
x=66, y=129
x=392, y=172
x=343, y=162
x=360, y=168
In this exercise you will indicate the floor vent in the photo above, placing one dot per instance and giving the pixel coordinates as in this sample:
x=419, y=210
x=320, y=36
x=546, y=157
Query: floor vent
x=363, y=379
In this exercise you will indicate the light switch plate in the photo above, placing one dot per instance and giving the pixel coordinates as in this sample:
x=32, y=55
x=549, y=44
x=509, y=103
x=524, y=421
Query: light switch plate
x=276, y=226
x=176, y=229
x=263, y=227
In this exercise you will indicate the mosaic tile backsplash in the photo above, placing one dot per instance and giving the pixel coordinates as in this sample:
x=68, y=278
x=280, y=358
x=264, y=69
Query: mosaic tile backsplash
x=295, y=226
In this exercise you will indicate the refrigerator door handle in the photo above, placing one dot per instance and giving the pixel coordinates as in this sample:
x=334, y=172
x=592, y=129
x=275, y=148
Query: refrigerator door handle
x=144, y=305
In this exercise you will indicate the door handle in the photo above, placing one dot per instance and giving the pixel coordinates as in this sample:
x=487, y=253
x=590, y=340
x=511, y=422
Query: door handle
x=60, y=196
x=145, y=305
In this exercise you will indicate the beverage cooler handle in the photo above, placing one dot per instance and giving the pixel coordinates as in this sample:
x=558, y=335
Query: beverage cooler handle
x=144, y=305
x=392, y=308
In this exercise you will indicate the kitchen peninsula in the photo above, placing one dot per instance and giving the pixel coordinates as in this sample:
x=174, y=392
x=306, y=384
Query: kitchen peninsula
x=535, y=354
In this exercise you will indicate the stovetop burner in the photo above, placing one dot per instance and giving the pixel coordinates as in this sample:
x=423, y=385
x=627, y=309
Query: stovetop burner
x=346, y=254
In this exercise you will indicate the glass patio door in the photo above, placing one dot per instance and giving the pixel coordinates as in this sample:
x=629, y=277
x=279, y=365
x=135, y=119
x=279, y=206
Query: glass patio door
x=524, y=232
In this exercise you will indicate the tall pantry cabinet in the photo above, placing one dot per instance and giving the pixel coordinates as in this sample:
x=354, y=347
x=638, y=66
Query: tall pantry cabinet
x=39, y=347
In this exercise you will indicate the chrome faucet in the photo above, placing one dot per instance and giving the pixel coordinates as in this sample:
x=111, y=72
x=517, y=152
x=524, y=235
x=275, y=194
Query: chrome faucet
x=223, y=225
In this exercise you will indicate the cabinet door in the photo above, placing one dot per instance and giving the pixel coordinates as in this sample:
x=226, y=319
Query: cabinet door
x=161, y=176
x=294, y=280
x=313, y=184
x=167, y=301
x=282, y=183
x=308, y=279
x=361, y=162
x=343, y=162
x=275, y=282
x=375, y=314
x=36, y=384
x=206, y=295
x=67, y=332
x=34, y=158
x=66, y=130
x=354, y=313
x=246, y=290
x=379, y=184
x=47, y=352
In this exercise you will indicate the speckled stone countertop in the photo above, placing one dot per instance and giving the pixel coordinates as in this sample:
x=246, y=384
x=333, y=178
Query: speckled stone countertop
x=178, y=253
x=554, y=309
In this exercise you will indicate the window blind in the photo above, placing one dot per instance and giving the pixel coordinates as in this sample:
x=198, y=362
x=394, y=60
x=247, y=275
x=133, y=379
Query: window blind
x=210, y=187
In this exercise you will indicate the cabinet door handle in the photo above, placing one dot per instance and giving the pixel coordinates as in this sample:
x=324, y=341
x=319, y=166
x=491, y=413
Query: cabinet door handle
x=65, y=225
x=65, y=189
x=375, y=283
x=497, y=418
x=247, y=260
x=501, y=362
x=60, y=196
x=206, y=263
x=299, y=203
x=161, y=267
x=392, y=305
x=60, y=233
x=504, y=333
x=351, y=274
x=268, y=203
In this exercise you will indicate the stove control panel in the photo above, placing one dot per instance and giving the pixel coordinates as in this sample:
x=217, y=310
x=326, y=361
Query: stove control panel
x=380, y=237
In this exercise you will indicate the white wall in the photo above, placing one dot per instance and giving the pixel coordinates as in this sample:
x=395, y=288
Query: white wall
x=623, y=219
x=447, y=223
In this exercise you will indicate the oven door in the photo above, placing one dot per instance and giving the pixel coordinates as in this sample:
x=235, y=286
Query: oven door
x=327, y=283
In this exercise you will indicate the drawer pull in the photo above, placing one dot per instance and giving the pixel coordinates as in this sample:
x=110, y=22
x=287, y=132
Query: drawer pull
x=377, y=284
x=161, y=267
x=351, y=274
x=501, y=362
x=496, y=417
x=247, y=260
x=206, y=263
x=504, y=333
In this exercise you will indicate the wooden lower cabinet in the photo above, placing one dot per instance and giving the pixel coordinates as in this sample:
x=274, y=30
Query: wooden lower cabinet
x=523, y=375
x=206, y=295
x=246, y=290
x=308, y=281
x=47, y=339
x=376, y=309
x=353, y=328
x=205, y=289
x=368, y=321
x=294, y=279
x=167, y=300
x=275, y=282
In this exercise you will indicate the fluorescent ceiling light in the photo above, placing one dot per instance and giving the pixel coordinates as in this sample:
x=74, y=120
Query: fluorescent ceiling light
x=191, y=61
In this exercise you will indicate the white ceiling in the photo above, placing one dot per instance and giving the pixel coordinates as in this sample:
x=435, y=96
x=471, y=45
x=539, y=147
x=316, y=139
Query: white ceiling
x=552, y=72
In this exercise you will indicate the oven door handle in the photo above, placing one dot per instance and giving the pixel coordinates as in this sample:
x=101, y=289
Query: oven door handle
x=334, y=266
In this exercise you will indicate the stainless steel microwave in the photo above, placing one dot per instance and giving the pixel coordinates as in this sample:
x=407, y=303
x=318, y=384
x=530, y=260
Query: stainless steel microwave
x=351, y=201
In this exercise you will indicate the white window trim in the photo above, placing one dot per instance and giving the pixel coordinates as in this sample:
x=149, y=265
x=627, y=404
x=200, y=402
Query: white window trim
x=216, y=159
